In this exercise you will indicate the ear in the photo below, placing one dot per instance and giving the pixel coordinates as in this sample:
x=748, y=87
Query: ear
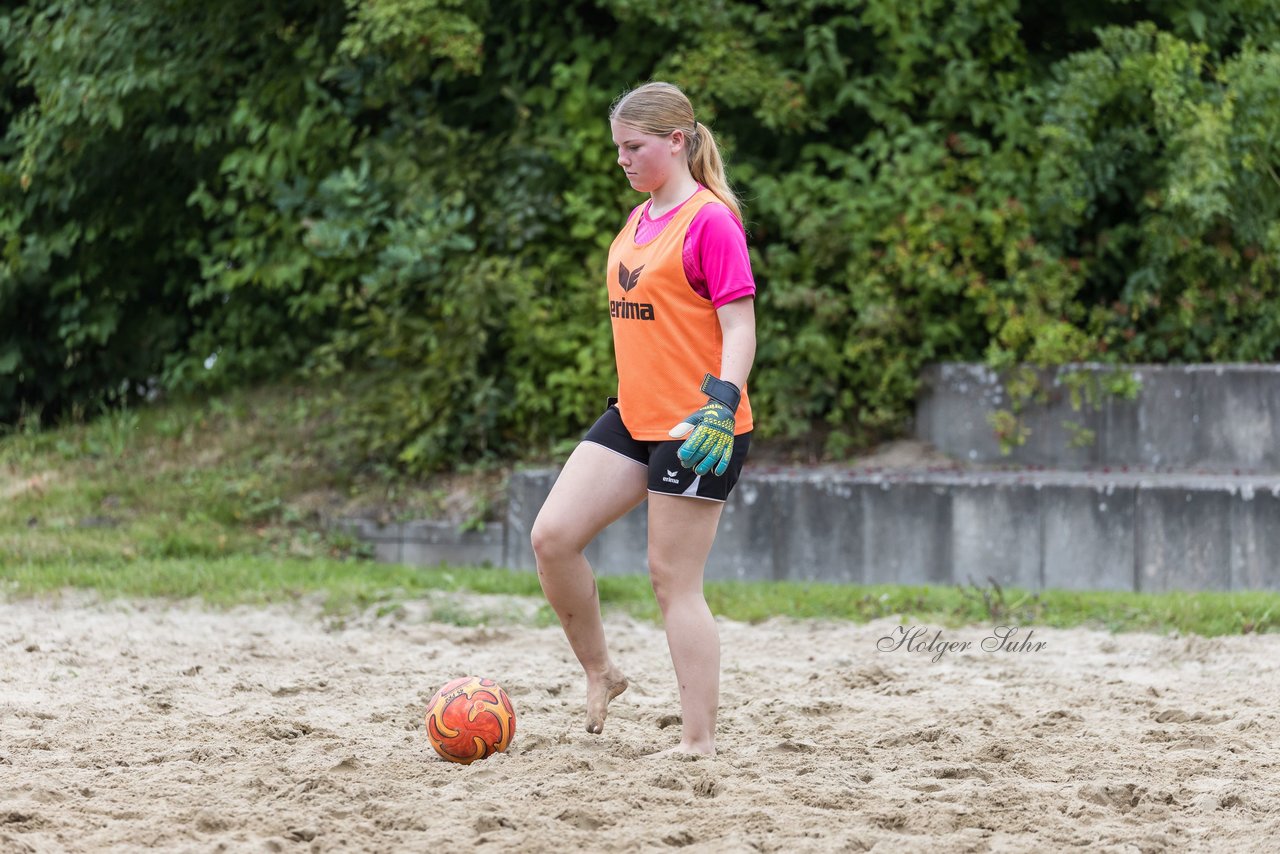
x=678, y=141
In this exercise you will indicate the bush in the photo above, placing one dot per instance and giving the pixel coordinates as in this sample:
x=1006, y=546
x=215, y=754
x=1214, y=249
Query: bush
x=419, y=194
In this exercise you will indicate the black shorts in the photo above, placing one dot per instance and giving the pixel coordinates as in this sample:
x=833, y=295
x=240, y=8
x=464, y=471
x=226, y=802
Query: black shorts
x=666, y=475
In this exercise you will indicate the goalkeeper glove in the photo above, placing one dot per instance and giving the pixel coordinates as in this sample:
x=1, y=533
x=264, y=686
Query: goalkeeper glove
x=710, y=445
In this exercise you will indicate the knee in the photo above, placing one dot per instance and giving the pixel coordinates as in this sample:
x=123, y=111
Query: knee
x=661, y=592
x=550, y=541
x=665, y=583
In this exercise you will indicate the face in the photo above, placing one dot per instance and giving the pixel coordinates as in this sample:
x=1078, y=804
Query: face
x=648, y=160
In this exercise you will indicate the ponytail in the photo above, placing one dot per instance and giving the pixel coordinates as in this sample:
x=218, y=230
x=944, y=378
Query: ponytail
x=707, y=167
x=662, y=109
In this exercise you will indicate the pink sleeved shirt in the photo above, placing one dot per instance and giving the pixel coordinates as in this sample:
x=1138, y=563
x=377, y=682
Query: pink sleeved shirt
x=715, y=256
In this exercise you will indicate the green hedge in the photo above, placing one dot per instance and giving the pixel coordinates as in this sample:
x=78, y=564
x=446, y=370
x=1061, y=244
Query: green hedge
x=412, y=198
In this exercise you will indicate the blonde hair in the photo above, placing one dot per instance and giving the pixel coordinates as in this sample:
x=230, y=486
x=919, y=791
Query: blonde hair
x=662, y=109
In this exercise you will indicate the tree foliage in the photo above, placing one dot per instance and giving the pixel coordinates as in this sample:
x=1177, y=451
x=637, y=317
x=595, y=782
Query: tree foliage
x=419, y=194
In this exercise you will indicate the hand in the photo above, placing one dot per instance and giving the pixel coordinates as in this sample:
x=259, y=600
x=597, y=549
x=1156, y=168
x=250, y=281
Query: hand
x=711, y=445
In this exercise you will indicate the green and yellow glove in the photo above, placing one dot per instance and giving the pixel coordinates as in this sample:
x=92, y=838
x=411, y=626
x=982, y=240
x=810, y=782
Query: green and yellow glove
x=710, y=446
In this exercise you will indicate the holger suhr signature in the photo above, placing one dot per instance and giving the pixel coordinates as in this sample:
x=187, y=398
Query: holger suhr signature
x=917, y=639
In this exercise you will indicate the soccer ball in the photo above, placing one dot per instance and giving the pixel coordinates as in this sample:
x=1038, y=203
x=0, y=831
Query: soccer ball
x=469, y=719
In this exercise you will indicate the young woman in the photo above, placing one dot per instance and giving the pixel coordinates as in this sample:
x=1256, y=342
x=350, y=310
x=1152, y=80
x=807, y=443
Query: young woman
x=681, y=303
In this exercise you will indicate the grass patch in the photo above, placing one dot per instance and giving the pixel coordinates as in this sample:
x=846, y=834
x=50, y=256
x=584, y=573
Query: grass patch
x=255, y=472
x=342, y=587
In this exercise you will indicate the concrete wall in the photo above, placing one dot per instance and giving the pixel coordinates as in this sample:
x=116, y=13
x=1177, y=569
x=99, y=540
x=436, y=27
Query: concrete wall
x=1180, y=491
x=1221, y=418
x=1065, y=530
x=427, y=543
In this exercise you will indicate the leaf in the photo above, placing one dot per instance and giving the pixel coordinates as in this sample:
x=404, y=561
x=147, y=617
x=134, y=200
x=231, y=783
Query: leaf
x=10, y=359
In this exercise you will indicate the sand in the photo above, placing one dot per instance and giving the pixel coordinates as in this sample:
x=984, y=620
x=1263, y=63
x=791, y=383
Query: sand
x=126, y=726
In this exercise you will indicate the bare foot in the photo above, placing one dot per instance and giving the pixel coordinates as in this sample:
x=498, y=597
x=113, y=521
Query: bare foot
x=599, y=693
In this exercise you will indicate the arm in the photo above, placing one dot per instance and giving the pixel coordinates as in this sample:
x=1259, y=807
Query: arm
x=722, y=259
x=710, y=446
x=718, y=265
x=738, y=328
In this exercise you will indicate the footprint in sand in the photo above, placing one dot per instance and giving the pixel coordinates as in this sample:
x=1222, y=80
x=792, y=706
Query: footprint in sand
x=280, y=731
x=350, y=765
x=707, y=787
x=532, y=742
x=1180, y=741
x=995, y=752
x=484, y=636
x=1214, y=801
x=928, y=735
x=295, y=688
x=867, y=677
x=11, y=844
x=211, y=821
x=967, y=772
x=948, y=772
x=1055, y=718
x=583, y=820
x=489, y=823
x=669, y=720
x=890, y=821
x=822, y=708
x=794, y=746
x=668, y=781
x=20, y=820
x=1178, y=716
x=1122, y=797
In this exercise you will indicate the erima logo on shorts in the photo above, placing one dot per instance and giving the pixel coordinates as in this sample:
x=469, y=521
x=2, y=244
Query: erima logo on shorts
x=671, y=477
x=620, y=308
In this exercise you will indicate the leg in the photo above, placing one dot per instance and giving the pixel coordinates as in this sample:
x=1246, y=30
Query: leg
x=596, y=487
x=681, y=531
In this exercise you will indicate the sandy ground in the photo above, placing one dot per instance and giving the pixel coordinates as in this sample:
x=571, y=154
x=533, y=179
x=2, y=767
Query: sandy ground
x=145, y=725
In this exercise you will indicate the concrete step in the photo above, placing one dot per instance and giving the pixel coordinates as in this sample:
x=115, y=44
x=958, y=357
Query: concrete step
x=1222, y=418
x=1127, y=530
x=429, y=542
